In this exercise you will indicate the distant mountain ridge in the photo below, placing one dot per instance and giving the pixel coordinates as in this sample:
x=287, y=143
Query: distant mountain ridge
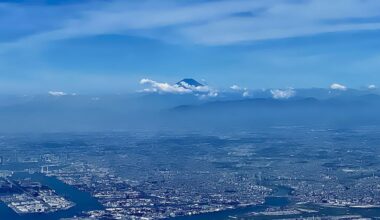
x=107, y=112
x=367, y=99
x=357, y=111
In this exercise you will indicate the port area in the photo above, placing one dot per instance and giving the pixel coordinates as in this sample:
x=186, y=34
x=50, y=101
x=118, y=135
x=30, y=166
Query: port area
x=29, y=197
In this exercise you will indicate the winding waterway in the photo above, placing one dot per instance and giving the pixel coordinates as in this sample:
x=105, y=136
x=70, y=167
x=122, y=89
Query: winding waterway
x=280, y=199
x=83, y=200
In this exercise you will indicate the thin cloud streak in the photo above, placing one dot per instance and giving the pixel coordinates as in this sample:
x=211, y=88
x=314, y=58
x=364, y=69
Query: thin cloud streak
x=207, y=23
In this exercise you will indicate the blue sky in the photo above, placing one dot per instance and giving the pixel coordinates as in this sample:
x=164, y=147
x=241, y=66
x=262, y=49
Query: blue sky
x=108, y=46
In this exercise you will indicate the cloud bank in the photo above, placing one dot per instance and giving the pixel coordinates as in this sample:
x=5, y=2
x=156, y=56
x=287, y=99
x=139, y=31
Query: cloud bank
x=163, y=87
x=283, y=93
x=182, y=88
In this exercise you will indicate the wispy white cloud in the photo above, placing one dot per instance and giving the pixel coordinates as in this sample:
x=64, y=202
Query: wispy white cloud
x=213, y=94
x=60, y=93
x=245, y=91
x=57, y=93
x=372, y=87
x=337, y=86
x=283, y=93
x=235, y=87
x=210, y=23
x=285, y=19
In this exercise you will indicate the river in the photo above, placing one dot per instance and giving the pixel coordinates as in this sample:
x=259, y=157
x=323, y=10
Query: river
x=83, y=200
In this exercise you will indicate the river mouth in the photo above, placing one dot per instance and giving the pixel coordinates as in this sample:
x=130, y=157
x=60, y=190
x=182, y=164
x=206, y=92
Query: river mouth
x=280, y=200
x=83, y=200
